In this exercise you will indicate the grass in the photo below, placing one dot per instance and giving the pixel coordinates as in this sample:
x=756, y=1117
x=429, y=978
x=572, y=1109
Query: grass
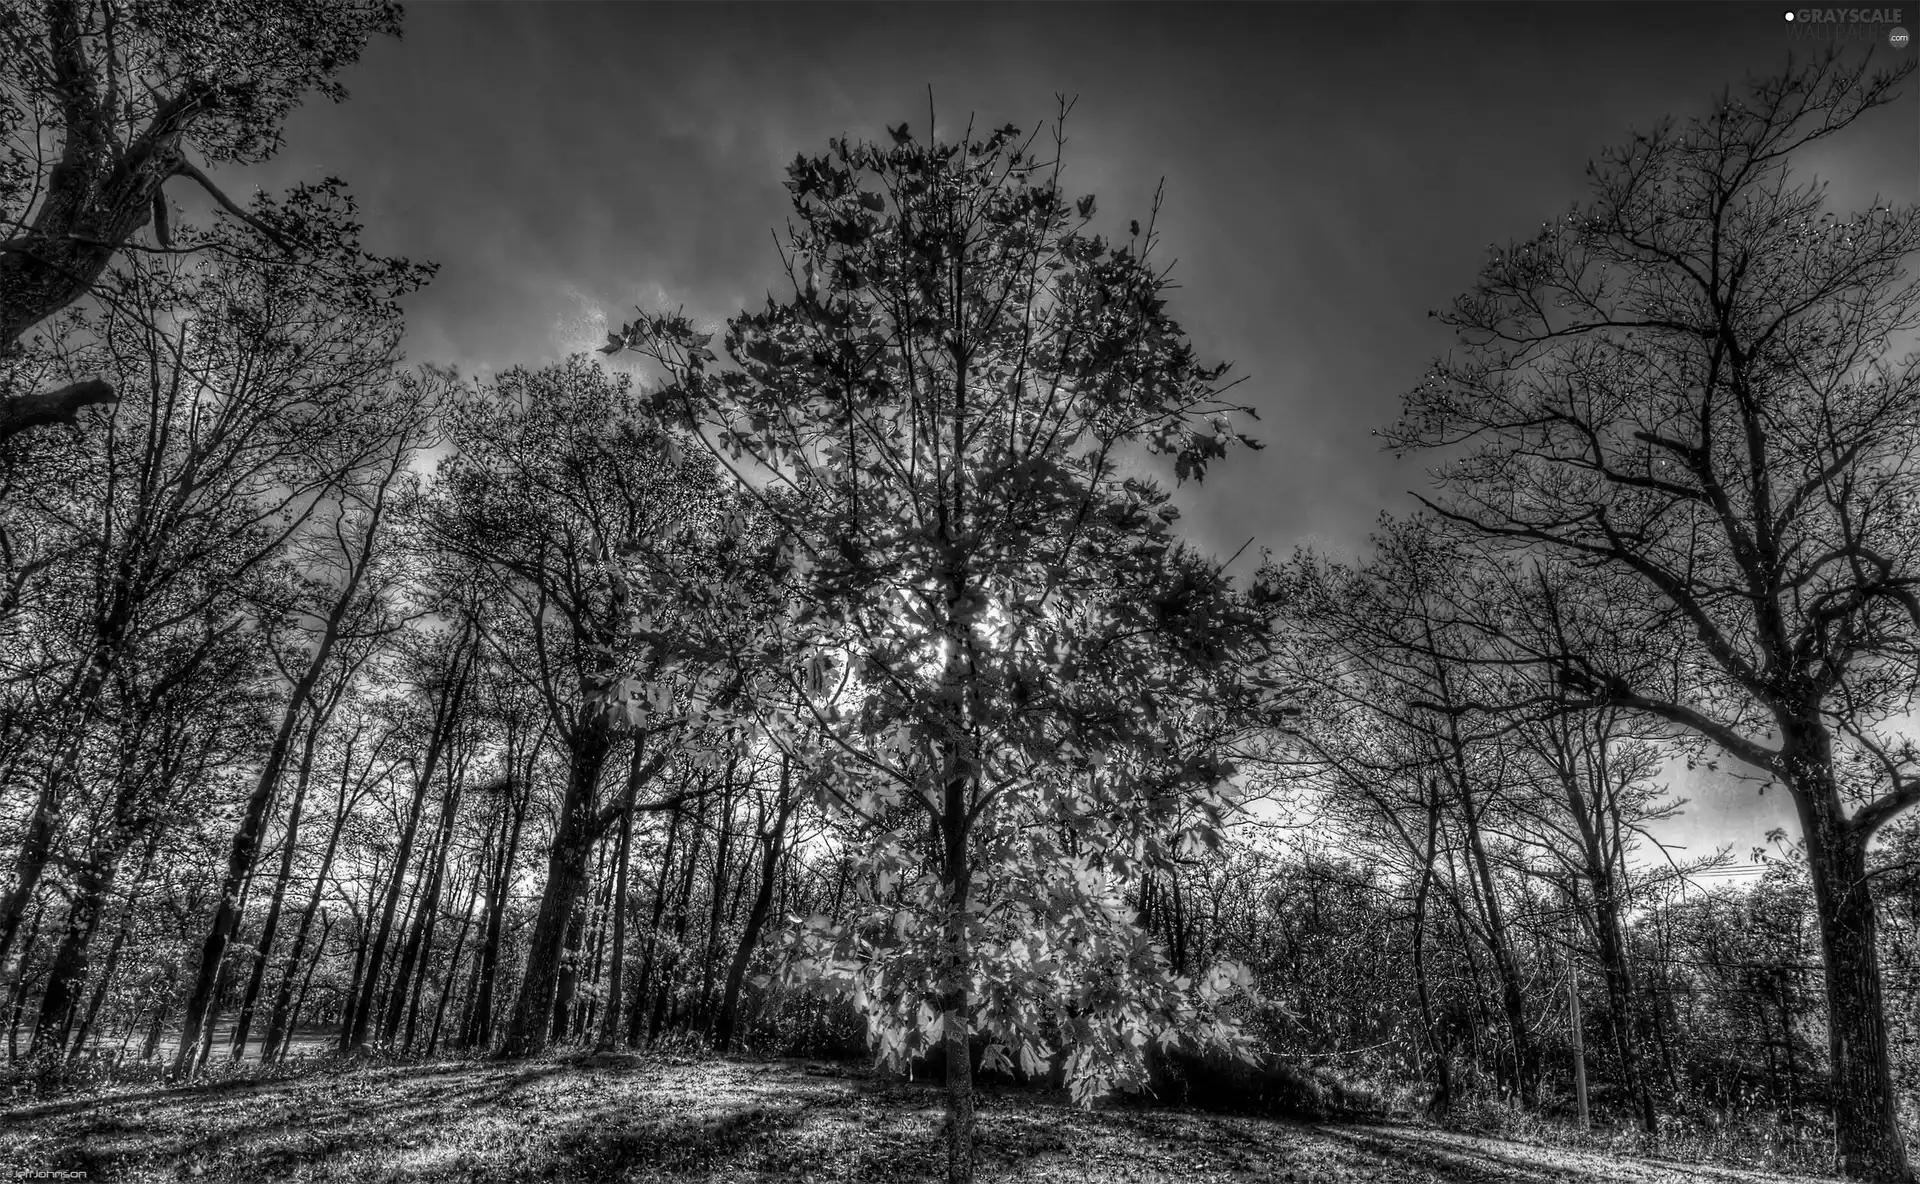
x=661, y=1118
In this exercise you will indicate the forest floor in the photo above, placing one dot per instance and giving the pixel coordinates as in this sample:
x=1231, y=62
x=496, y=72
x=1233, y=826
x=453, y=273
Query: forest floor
x=632, y=1118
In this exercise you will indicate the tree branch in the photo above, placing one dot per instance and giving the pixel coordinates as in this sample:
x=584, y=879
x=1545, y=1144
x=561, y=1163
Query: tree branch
x=46, y=408
x=186, y=168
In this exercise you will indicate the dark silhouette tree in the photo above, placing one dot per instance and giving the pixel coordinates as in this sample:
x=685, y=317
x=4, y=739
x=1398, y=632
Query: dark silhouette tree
x=1682, y=393
x=133, y=95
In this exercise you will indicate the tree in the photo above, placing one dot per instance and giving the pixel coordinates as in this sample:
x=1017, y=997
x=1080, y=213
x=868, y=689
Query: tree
x=554, y=470
x=131, y=93
x=353, y=785
x=185, y=707
x=1396, y=675
x=347, y=577
x=258, y=387
x=444, y=668
x=1682, y=393
x=1001, y=627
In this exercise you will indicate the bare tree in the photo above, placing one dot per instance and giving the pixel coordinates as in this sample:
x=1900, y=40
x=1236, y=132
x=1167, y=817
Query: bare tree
x=1683, y=393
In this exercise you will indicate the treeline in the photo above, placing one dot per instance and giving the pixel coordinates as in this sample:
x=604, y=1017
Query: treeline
x=856, y=693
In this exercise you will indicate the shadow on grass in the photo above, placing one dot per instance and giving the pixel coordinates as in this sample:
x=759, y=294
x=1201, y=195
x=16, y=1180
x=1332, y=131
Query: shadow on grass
x=1455, y=1160
x=1447, y=1159
x=208, y=1089
x=477, y=1122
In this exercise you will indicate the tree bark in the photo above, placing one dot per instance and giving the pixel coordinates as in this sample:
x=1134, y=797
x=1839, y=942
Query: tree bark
x=567, y=983
x=67, y=973
x=663, y=991
x=717, y=891
x=113, y=954
x=586, y=1009
x=959, y=876
x=1512, y=995
x=80, y=698
x=162, y=1007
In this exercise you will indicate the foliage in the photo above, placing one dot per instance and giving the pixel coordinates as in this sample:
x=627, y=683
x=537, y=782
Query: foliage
x=1003, y=630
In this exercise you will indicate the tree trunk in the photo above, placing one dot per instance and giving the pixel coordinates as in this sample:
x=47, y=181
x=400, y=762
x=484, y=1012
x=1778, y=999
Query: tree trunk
x=663, y=991
x=478, y=1030
x=610, y=1015
x=774, y=840
x=1865, y=1108
x=162, y=1009
x=257, y=973
x=479, y=1026
x=453, y=967
x=420, y=976
x=246, y=839
x=82, y=698
x=300, y=1003
x=1599, y=870
x=1442, y=1058
x=97, y=195
x=113, y=952
x=1512, y=996
x=567, y=985
x=22, y=980
x=416, y=890
x=566, y=876
x=636, y=1026
x=422, y=926
x=1621, y=1004
x=364, y=928
x=718, y=892
x=958, y=874
x=67, y=973
x=277, y=1016
x=446, y=718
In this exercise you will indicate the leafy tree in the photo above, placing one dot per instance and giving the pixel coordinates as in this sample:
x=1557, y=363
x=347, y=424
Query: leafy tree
x=1682, y=394
x=258, y=388
x=1004, y=630
x=188, y=703
x=102, y=102
x=554, y=470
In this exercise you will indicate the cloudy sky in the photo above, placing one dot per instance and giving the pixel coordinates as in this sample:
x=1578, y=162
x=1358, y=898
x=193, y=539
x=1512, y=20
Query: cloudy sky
x=1332, y=173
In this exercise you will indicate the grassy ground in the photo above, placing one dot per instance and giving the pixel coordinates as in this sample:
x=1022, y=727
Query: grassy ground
x=672, y=1119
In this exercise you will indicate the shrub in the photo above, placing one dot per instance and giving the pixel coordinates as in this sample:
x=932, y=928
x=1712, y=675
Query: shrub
x=1214, y=1081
